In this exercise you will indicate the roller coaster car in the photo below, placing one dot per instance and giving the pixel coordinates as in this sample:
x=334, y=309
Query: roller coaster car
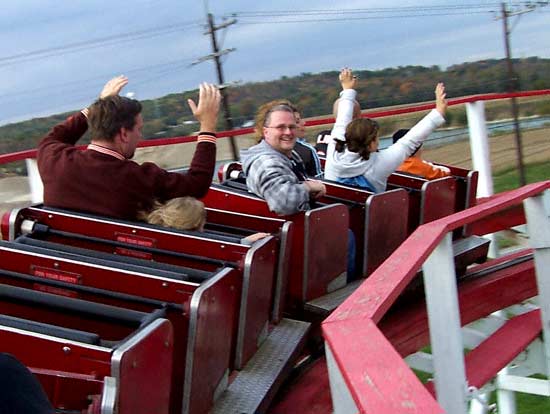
x=219, y=245
x=319, y=242
x=224, y=299
x=204, y=335
x=381, y=222
x=145, y=249
x=372, y=217
x=89, y=356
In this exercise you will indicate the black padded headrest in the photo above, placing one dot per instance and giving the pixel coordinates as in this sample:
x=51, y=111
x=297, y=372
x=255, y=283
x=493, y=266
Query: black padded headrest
x=48, y=329
x=71, y=305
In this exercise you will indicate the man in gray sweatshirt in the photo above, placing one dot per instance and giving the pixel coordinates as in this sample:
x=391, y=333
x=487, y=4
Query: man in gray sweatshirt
x=273, y=172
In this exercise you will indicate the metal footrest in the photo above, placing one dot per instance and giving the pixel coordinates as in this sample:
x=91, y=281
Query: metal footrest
x=326, y=304
x=466, y=244
x=255, y=386
x=472, y=243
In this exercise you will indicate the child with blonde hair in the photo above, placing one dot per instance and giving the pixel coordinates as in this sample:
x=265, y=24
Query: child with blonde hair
x=185, y=213
x=182, y=213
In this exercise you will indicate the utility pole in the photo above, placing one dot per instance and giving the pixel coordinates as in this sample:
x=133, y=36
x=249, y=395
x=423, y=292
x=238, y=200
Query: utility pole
x=215, y=55
x=512, y=87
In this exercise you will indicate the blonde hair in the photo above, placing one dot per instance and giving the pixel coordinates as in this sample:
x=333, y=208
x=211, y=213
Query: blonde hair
x=183, y=213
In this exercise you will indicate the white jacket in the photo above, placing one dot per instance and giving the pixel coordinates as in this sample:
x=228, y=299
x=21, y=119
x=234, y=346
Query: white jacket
x=381, y=164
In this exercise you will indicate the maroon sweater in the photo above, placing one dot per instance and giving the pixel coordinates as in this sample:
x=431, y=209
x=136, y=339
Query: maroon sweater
x=98, y=183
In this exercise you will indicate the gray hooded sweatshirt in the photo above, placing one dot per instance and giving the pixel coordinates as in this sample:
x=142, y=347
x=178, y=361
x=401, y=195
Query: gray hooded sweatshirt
x=269, y=174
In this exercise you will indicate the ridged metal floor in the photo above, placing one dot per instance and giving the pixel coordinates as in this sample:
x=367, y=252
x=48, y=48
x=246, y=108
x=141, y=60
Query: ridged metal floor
x=255, y=386
x=329, y=302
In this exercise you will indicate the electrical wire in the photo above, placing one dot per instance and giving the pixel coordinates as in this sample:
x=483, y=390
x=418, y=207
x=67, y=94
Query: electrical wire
x=94, y=43
x=356, y=18
x=374, y=10
x=328, y=15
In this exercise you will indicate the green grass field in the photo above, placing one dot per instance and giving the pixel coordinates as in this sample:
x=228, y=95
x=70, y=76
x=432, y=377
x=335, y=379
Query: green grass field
x=525, y=403
x=509, y=179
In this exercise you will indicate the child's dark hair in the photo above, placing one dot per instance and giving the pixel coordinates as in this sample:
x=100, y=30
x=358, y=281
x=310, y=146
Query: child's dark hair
x=359, y=135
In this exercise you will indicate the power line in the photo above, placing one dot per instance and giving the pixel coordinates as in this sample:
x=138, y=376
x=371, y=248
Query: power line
x=374, y=10
x=94, y=43
x=336, y=19
x=328, y=15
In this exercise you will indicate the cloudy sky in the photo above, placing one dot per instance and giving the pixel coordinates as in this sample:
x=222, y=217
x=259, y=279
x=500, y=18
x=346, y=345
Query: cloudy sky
x=56, y=54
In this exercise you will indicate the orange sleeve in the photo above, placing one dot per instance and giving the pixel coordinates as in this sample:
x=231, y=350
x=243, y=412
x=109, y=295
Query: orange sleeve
x=416, y=166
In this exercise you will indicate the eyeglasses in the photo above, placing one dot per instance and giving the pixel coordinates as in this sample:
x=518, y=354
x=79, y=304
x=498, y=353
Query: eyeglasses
x=283, y=128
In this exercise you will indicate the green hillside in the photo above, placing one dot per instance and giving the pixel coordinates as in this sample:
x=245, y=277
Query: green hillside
x=314, y=94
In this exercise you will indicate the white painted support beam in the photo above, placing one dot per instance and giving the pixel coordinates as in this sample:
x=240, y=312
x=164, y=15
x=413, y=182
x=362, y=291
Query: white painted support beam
x=481, y=160
x=506, y=399
x=35, y=181
x=421, y=361
x=445, y=335
x=538, y=225
x=523, y=384
x=342, y=401
x=479, y=147
x=480, y=404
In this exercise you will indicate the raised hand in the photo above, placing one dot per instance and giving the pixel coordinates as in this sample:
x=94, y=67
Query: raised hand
x=347, y=80
x=206, y=112
x=114, y=86
x=440, y=98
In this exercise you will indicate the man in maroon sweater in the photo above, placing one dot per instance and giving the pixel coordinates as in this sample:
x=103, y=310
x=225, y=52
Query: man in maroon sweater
x=102, y=179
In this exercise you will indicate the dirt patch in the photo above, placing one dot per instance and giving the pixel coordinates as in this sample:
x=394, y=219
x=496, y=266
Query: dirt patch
x=535, y=145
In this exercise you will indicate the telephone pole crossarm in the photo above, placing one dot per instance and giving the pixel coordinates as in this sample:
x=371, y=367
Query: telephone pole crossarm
x=215, y=56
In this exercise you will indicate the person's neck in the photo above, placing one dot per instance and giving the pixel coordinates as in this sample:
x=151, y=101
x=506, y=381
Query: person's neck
x=105, y=144
x=110, y=145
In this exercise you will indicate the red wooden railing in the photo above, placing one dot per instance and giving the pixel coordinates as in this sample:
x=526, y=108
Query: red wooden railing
x=375, y=374
x=22, y=155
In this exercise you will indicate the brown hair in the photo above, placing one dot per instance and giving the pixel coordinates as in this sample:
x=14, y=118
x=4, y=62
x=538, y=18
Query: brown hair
x=264, y=111
x=108, y=115
x=183, y=213
x=359, y=135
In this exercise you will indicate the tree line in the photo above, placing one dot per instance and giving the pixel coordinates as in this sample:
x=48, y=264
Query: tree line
x=314, y=95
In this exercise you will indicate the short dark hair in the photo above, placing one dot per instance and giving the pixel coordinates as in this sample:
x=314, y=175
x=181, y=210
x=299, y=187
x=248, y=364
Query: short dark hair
x=400, y=133
x=108, y=115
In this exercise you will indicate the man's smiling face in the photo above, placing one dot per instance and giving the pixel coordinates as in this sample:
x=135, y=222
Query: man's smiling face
x=280, y=132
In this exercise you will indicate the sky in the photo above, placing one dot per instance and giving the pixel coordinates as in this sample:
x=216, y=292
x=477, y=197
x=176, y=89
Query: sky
x=55, y=55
